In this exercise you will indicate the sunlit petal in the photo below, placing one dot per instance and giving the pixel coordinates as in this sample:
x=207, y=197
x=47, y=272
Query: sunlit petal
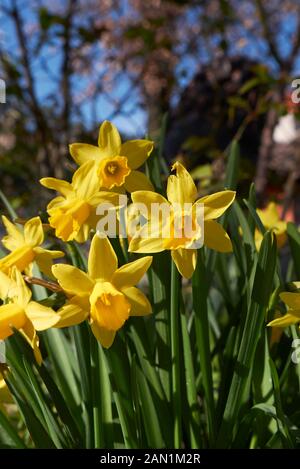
x=130, y=274
x=109, y=139
x=85, y=181
x=103, y=261
x=216, y=204
x=181, y=187
x=71, y=314
x=72, y=280
x=11, y=316
x=137, y=181
x=185, y=260
x=33, y=232
x=41, y=316
x=285, y=321
x=14, y=238
x=215, y=237
x=104, y=336
x=137, y=152
x=58, y=185
x=83, y=152
x=140, y=305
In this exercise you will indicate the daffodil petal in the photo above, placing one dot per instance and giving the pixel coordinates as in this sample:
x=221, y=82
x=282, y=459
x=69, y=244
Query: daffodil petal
x=58, y=185
x=83, y=152
x=84, y=233
x=23, y=294
x=269, y=216
x=32, y=338
x=137, y=181
x=33, y=232
x=216, y=204
x=71, y=314
x=41, y=316
x=181, y=188
x=284, y=321
x=291, y=299
x=137, y=152
x=146, y=241
x=11, y=316
x=148, y=198
x=44, y=259
x=8, y=288
x=130, y=274
x=105, y=197
x=103, y=261
x=109, y=139
x=215, y=237
x=185, y=260
x=56, y=202
x=104, y=336
x=72, y=280
x=85, y=181
x=14, y=238
x=140, y=305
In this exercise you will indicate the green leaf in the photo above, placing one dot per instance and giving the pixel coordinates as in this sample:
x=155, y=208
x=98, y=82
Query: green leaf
x=232, y=168
x=261, y=290
x=294, y=242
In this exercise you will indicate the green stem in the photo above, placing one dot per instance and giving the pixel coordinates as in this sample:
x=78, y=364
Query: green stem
x=81, y=340
x=95, y=384
x=175, y=329
x=200, y=293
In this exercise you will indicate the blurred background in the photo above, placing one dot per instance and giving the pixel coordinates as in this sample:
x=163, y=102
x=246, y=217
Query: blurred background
x=212, y=70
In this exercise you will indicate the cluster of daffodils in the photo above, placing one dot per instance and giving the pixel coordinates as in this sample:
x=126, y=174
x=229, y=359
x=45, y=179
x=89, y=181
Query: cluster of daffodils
x=106, y=295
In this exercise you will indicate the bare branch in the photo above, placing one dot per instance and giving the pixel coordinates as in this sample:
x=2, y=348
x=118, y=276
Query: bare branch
x=268, y=34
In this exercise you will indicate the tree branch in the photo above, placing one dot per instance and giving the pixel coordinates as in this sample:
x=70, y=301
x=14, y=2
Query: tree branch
x=268, y=33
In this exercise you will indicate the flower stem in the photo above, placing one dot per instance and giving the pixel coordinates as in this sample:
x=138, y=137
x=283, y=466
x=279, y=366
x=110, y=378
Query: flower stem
x=175, y=333
x=95, y=384
x=200, y=294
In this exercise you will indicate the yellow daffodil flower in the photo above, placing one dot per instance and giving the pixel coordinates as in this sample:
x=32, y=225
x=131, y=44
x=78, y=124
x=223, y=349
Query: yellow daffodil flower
x=181, y=190
x=25, y=247
x=271, y=221
x=106, y=295
x=116, y=163
x=292, y=300
x=73, y=214
x=19, y=312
